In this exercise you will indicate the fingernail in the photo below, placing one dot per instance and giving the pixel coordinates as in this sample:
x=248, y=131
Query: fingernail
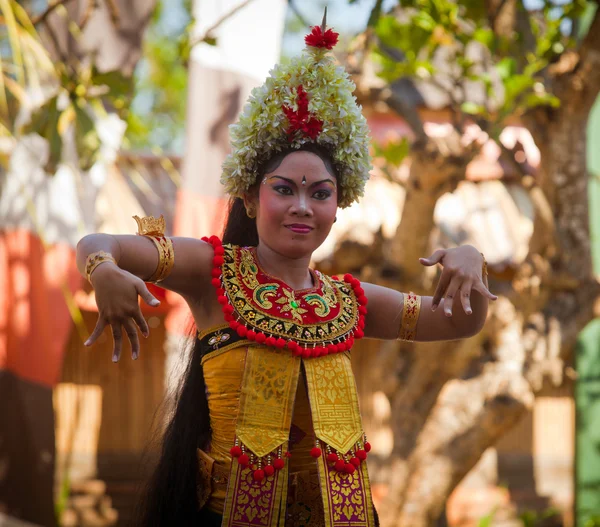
x=434, y=307
x=154, y=302
x=448, y=313
x=145, y=335
x=135, y=355
x=114, y=358
x=86, y=343
x=469, y=311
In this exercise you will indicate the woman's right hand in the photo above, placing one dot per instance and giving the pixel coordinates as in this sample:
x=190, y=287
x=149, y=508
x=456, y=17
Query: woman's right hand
x=117, y=294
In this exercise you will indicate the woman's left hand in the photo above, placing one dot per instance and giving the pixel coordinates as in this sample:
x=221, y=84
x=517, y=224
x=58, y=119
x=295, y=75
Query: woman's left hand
x=462, y=274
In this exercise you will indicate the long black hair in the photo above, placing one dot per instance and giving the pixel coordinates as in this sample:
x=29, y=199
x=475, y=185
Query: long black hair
x=170, y=496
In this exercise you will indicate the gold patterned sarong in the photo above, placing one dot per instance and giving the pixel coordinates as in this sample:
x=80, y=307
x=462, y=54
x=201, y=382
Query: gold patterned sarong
x=266, y=404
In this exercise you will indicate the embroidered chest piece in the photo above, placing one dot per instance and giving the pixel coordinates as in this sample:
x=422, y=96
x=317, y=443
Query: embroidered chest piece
x=312, y=322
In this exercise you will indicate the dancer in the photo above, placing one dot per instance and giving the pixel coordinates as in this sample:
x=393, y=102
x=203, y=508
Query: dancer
x=266, y=430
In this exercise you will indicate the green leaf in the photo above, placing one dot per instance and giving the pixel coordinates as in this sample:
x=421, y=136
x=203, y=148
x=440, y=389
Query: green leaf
x=541, y=99
x=506, y=67
x=117, y=83
x=394, y=152
x=472, y=108
x=485, y=36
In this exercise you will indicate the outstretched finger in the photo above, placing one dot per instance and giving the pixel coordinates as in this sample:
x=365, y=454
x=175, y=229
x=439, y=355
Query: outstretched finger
x=133, y=338
x=440, y=290
x=141, y=322
x=118, y=340
x=435, y=258
x=100, y=325
x=481, y=288
x=465, y=296
x=147, y=295
x=451, y=293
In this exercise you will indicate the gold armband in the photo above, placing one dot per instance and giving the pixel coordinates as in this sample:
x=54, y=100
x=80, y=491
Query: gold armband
x=410, y=317
x=94, y=260
x=154, y=229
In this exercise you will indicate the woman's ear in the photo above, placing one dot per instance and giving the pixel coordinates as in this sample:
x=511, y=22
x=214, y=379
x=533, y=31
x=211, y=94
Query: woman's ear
x=250, y=204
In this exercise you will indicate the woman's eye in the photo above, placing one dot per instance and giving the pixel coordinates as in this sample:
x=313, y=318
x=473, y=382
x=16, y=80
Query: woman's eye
x=321, y=194
x=286, y=191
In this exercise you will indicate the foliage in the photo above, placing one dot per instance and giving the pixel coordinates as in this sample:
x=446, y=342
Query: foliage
x=158, y=109
x=73, y=93
x=486, y=76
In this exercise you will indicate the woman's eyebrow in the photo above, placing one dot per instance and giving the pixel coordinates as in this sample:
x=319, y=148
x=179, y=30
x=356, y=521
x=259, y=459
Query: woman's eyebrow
x=292, y=182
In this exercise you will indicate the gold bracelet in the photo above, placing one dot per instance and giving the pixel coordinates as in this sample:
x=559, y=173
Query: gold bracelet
x=154, y=229
x=484, y=267
x=94, y=260
x=410, y=317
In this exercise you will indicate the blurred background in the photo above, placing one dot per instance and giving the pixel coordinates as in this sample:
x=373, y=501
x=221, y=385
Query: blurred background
x=486, y=130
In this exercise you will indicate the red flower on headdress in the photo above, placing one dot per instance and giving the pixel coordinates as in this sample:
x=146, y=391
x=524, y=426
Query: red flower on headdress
x=301, y=119
x=318, y=38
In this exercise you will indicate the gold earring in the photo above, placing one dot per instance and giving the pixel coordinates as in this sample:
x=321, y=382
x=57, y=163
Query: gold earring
x=251, y=212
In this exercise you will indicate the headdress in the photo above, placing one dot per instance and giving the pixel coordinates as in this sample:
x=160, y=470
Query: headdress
x=308, y=100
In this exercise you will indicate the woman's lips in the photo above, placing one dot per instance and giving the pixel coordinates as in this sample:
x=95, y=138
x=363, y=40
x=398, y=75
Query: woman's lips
x=299, y=228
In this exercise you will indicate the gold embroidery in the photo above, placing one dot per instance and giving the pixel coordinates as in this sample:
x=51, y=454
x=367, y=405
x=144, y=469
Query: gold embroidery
x=240, y=269
x=248, y=269
x=292, y=305
x=267, y=399
x=334, y=401
x=262, y=292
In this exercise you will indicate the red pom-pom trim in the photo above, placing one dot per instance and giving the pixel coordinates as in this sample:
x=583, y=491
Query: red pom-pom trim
x=235, y=451
x=216, y=272
x=258, y=475
x=269, y=470
x=243, y=460
x=332, y=458
x=315, y=452
x=228, y=309
x=271, y=342
x=355, y=461
x=339, y=465
x=280, y=343
x=349, y=468
x=218, y=260
x=234, y=325
x=216, y=282
x=222, y=299
x=260, y=338
x=219, y=250
x=242, y=331
x=251, y=335
x=367, y=447
x=278, y=464
x=361, y=454
x=306, y=353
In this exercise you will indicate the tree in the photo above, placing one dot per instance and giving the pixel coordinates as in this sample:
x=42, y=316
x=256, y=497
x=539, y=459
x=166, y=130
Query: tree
x=539, y=67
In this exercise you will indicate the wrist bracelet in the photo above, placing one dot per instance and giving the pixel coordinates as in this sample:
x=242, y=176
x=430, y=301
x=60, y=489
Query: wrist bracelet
x=94, y=260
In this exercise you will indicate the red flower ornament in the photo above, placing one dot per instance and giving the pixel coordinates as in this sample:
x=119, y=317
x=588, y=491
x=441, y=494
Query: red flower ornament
x=318, y=38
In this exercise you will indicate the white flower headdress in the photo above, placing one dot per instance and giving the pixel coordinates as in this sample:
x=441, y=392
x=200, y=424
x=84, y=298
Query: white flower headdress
x=309, y=100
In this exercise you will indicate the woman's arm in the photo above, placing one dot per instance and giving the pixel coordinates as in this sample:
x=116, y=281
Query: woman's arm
x=118, y=285
x=460, y=300
x=138, y=255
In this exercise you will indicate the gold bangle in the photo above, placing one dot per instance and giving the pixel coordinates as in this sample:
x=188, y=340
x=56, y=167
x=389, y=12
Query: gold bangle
x=410, y=317
x=484, y=267
x=154, y=229
x=94, y=260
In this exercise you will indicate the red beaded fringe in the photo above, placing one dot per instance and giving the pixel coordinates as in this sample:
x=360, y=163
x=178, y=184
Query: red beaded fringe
x=347, y=462
x=298, y=349
x=263, y=467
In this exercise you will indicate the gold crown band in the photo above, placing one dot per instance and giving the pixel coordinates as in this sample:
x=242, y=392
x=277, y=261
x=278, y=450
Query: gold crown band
x=154, y=229
x=94, y=260
x=410, y=317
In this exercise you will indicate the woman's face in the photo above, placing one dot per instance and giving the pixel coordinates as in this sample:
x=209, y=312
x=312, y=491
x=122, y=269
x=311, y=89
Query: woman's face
x=297, y=203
